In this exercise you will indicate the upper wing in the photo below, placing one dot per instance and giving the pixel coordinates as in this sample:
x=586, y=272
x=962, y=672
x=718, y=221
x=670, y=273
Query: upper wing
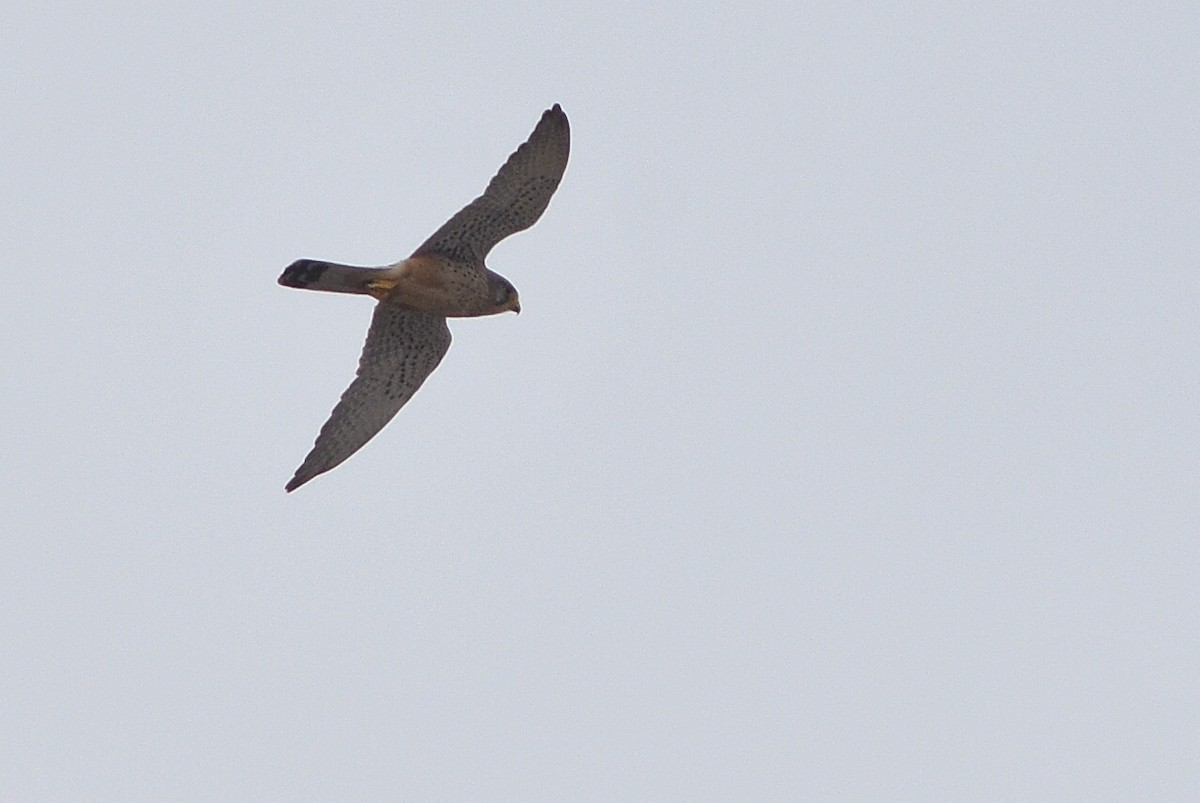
x=403, y=347
x=515, y=198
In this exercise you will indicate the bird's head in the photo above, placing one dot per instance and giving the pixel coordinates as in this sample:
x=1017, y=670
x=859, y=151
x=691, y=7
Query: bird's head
x=504, y=295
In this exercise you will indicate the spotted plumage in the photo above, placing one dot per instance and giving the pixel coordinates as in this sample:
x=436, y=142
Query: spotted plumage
x=445, y=277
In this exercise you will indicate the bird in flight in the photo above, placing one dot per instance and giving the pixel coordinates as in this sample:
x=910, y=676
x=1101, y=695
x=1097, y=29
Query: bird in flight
x=444, y=278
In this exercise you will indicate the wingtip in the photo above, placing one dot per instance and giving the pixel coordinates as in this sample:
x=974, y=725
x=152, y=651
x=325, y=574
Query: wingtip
x=296, y=481
x=555, y=118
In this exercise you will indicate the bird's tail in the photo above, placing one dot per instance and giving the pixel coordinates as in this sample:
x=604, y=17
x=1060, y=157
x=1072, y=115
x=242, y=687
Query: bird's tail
x=312, y=274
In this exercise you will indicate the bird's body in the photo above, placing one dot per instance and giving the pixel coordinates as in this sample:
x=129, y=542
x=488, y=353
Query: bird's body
x=444, y=278
x=430, y=282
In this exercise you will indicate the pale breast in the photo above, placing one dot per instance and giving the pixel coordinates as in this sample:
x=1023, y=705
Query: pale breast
x=436, y=284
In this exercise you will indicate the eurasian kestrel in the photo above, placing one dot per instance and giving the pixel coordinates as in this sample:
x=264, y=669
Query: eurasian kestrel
x=445, y=277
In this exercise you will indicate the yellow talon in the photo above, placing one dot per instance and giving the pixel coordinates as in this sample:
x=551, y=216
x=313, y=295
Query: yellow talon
x=381, y=288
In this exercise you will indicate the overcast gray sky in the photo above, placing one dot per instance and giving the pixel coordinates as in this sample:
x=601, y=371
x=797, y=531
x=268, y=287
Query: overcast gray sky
x=846, y=446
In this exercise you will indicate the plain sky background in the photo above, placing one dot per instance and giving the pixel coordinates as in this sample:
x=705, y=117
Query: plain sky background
x=846, y=446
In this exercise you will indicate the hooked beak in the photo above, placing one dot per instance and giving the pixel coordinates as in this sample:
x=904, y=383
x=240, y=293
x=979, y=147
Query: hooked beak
x=516, y=307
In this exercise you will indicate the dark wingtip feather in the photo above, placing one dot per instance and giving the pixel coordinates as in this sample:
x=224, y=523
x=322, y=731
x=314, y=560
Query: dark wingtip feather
x=296, y=481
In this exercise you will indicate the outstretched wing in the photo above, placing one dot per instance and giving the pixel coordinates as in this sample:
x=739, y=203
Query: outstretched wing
x=403, y=347
x=514, y=199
